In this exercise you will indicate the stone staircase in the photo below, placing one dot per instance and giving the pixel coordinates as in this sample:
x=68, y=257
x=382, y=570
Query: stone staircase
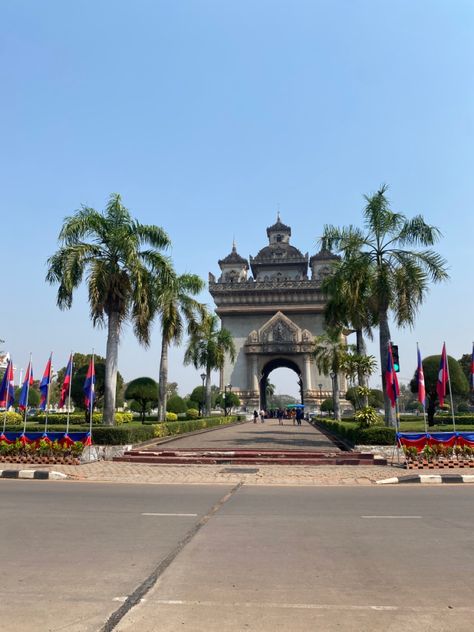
x=249, y=457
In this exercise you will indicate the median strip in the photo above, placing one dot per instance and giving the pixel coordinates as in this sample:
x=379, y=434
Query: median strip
x=32, y=474
x=428, y=479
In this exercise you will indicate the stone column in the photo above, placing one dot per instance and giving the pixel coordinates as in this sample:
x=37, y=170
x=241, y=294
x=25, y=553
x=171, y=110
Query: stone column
x=253, y=382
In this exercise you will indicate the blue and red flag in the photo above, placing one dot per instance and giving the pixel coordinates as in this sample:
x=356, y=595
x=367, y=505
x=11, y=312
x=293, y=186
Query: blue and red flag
x=27, y=382
x=45, y=383
x=89, y=386
x=7, y=387
x=421, y=381
x=66, y=383
x=442, y=376
x=391, y=380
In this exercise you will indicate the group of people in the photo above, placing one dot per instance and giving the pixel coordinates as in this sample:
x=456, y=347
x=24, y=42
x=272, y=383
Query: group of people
x=295, y=414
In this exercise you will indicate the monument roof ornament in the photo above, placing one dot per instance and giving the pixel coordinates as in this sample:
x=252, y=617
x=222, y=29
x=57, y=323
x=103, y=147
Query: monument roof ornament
x=234, y=257
x=278, y=227
x=325, y=254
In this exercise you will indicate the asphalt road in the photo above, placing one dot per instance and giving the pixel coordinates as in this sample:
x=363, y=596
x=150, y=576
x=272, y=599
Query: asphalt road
x=264, y=559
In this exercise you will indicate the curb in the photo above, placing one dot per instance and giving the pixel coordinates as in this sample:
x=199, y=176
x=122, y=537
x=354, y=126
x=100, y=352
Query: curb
x=427, y=479
x=32, y=474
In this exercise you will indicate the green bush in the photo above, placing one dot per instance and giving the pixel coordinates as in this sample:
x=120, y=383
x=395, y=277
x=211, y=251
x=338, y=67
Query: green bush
x=192, y=413
x=171, y=416
x=377, y=435
x=367, y=417
x=167, y=429
x=191, y=404
x=12, y=418
x=121, y=435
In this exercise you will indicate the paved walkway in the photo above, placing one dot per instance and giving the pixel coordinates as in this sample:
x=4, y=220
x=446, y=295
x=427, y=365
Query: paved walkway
x=267, y=436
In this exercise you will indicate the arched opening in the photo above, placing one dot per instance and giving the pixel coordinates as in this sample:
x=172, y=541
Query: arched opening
x=278, y=363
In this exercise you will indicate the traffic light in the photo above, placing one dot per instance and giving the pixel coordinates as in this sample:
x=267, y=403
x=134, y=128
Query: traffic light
x=396, y=360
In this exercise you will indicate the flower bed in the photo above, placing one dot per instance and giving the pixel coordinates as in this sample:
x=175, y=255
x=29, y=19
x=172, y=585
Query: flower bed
x=438, y=450
x=39, y=447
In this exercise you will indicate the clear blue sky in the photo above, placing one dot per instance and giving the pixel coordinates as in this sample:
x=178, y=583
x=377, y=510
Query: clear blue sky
x=205, y=115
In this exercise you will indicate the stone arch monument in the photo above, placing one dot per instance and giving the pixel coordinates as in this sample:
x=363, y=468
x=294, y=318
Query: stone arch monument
x=273, y=316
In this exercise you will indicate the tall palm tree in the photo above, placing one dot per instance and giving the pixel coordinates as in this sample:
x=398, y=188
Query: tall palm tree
x=330, y=351
x=399, y=277
x=208, y=345
x=176, y=307
x=122, y=262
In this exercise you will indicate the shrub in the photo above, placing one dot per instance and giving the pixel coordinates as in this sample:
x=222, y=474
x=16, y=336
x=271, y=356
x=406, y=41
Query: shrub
x=121, y=435
x=192, y=413
x=327, y=406
x=367, y=417
x=167, y=429
x=191, y=404
x=376, y=435
x=13, y=418
x=170, y=416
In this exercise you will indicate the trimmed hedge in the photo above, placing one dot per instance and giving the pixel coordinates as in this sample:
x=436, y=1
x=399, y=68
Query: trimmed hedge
x=80, y=419
x=12, y=418
x=121, y=435
x=170, y=428
x=376, y=435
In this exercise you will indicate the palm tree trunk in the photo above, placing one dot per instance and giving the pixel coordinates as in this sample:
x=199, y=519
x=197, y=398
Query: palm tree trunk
x=111, y=368
x=384, y=332
x=163, y=380
x=208, y=391
x=361, y=377
x=335, y=397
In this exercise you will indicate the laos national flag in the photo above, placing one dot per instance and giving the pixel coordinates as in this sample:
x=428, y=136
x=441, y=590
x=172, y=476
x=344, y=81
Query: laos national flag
x=89, y=385
x=44, y=384
x=421, y=381
x=27, y=382
x=442, y=376
x=66, y=383
x=7, y=387
x=391, y=380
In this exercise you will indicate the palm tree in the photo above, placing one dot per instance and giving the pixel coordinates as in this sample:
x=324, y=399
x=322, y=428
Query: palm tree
x=176, y=307
x=397, y=276
x=122, y=262
x=330, y=351
x=207, y=348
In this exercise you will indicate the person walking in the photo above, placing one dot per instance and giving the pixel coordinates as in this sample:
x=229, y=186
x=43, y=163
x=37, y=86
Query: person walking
x=262, y=416
x=255, y=416
x=280, y=416
x=299, y=416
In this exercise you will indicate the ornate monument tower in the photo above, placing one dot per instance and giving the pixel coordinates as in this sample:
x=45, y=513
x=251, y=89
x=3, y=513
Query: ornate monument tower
x=273, y=316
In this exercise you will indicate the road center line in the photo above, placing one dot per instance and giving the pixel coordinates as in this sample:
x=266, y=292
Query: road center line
x=394, y=517
x=192, y=515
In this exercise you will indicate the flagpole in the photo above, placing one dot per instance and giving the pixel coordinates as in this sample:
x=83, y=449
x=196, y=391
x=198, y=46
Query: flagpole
x=450, y=392
x=27, y=393
x=91, y=406
x=48, y=392
x=69, y=395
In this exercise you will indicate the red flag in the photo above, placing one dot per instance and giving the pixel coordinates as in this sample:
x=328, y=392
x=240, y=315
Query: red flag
x=45, y=384
x=421, y=381
x=66, y=383
x=391, y=380
x=442, y=376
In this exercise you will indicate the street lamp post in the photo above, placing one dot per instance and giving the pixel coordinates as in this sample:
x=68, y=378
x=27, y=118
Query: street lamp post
x=203, y=377
x=227, y=388
x=320, y=398
x=332, y=375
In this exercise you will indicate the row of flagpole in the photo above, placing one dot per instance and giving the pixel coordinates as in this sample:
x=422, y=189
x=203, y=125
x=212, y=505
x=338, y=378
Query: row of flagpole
x=7, y=390
x=393, y=389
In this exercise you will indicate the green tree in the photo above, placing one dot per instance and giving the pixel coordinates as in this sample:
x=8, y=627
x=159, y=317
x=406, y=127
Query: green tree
x=360, y=366
x=398, y=277
x=122, y=262
x=176, y=405
x=177, y=307
x=375, y=397
x=459, y=383
x=207, y=348
x=330, y=352
x=228, y=402
x=144, y=391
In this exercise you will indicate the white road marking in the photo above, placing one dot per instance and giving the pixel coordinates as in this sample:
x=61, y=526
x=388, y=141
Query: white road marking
x=189, y=515
x=124, y=599
x=394, y=517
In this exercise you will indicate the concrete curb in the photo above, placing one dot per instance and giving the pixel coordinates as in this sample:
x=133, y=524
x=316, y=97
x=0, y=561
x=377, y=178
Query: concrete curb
x=428, y=479
x=32, y=474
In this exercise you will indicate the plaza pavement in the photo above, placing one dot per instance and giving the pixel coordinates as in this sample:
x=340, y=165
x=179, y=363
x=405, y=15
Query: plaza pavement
x=267, y=435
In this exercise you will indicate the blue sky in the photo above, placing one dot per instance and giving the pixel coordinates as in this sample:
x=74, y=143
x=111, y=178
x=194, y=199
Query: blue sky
x=205, y=115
